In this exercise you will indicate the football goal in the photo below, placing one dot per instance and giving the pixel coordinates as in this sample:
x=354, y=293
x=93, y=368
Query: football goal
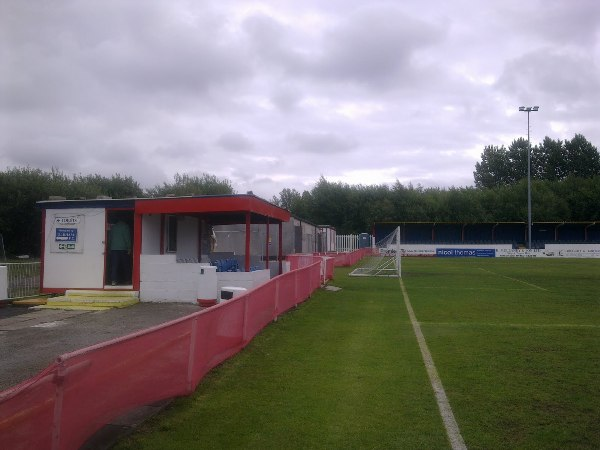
x=385, y=260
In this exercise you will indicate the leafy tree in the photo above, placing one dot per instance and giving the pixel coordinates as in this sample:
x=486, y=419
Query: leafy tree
x=288, y=199
x=582, y=158
x=117, y=186
x=20, y=220
x=494, y=168
x=185, y=184
x=551, y=160
x=517, y=160
x=22, y=187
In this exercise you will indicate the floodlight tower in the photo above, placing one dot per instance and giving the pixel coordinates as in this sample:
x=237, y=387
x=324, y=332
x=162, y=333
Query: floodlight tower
x=528, y=109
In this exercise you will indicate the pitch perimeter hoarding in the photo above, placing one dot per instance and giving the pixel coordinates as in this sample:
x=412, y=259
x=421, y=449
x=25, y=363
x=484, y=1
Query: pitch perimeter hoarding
x=465, y=253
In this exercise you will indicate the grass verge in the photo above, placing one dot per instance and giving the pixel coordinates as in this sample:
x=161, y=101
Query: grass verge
x=341, y=371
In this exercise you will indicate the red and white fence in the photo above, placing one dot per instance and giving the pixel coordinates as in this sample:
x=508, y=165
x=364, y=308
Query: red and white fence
x=65, y=404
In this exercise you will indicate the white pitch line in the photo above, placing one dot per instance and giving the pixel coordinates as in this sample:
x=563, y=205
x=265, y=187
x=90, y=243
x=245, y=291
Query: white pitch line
x=445, y=288
x=513, y=279
x=514, y=325
x=453, y=432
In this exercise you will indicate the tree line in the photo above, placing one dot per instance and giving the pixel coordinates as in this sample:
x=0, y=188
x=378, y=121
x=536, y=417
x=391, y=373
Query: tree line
x=565, y=187
x=354, y=209
x=22, y=187
x=552, y=160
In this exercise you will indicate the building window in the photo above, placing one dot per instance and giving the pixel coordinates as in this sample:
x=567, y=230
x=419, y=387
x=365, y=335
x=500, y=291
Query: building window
x=171, y=234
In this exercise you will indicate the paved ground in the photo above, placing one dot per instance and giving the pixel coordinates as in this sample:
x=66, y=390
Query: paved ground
x=30, y=340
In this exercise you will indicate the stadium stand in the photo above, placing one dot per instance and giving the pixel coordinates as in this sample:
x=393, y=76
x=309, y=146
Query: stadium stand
x=514, y=233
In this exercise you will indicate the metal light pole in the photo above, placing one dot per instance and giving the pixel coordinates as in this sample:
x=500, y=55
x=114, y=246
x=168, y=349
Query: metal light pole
x=528, y=109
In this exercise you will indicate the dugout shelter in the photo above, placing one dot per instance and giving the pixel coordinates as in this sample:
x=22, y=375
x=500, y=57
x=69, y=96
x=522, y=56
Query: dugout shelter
x=171, y=238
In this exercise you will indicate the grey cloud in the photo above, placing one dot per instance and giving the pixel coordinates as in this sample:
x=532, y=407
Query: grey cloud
x=320, y=142
x=272, y=41
x=286, y=98
x=557, y=76
x=373, y=46
x=272, y=94
x=71, y=52
x=234, y=142
x=562, y=23
x=376, y=45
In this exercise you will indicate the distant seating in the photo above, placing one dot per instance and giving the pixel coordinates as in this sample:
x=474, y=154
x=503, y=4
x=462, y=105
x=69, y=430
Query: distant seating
x=226, y=265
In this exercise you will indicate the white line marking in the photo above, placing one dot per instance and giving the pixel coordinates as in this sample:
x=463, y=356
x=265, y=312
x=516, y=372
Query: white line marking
x=513, y=279
x=445, y=288
x=513, y=325
x=452, y=430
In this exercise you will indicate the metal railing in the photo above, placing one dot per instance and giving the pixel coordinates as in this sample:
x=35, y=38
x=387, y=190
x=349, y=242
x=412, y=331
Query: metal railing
x=23, y=279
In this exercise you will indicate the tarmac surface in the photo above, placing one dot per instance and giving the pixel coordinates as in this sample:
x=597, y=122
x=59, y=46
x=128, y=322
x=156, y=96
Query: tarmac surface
x=30, y=340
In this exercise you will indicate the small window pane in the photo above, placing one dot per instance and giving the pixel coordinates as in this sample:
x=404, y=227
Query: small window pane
x=171, y=234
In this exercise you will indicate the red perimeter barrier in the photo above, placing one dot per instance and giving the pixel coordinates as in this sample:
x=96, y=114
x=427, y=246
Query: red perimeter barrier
x=347, y=259
x=65, y=404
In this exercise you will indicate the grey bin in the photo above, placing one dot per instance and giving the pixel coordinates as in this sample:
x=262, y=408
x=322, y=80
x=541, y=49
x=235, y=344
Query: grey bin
x=229, y=292
x=364, y=240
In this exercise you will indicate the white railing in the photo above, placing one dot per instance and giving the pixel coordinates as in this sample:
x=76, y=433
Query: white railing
x=349, y=242
x=23, y=279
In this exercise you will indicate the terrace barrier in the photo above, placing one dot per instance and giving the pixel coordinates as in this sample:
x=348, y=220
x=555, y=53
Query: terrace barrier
x=80, y=392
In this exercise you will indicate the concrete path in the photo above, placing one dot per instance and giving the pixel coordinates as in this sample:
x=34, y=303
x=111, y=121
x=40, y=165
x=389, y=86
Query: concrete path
x=30, y=340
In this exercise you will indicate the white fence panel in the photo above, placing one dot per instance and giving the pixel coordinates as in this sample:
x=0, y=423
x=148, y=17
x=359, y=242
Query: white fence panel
x=23, y=279
x=350, y=242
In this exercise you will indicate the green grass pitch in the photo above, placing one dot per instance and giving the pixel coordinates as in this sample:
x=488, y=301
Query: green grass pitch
x=516, y=343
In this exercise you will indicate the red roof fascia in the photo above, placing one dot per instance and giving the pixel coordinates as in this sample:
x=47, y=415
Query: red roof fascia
x=211, y=204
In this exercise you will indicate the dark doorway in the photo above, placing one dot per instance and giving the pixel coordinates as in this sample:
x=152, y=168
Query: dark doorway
x=119, y=247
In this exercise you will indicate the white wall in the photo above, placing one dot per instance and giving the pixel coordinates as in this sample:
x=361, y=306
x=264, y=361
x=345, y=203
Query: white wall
x=83, y=270
x=163, y=279
x=554, y=251
x=573, y=250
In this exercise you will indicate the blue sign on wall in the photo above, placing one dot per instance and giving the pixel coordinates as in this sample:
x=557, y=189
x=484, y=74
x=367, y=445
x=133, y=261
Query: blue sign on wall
x=66, y=235
x=465, y=252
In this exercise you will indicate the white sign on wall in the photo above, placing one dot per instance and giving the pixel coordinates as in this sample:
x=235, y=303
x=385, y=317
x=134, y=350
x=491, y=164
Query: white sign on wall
x=67, y=233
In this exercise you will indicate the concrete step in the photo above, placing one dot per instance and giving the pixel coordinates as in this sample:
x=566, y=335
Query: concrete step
x=77, y=293
x=93, y=300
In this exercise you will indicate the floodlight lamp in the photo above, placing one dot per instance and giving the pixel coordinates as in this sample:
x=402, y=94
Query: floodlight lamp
x=521, y=108
x=535, y=108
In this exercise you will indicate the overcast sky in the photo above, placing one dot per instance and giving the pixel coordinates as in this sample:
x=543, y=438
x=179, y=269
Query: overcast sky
x=274, y=94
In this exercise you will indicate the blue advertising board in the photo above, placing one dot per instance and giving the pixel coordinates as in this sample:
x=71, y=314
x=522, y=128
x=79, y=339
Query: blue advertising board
x=66, y=235
x=465, y=252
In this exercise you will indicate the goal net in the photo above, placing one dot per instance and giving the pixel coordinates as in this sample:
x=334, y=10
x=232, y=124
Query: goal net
x=385, y=260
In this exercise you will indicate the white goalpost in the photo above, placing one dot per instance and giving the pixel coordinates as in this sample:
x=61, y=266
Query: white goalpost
x=385, y=260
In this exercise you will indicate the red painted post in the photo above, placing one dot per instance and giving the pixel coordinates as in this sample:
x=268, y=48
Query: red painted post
x=137, y=250
x=247, y=257
x=280, y=250
x=267, y=244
